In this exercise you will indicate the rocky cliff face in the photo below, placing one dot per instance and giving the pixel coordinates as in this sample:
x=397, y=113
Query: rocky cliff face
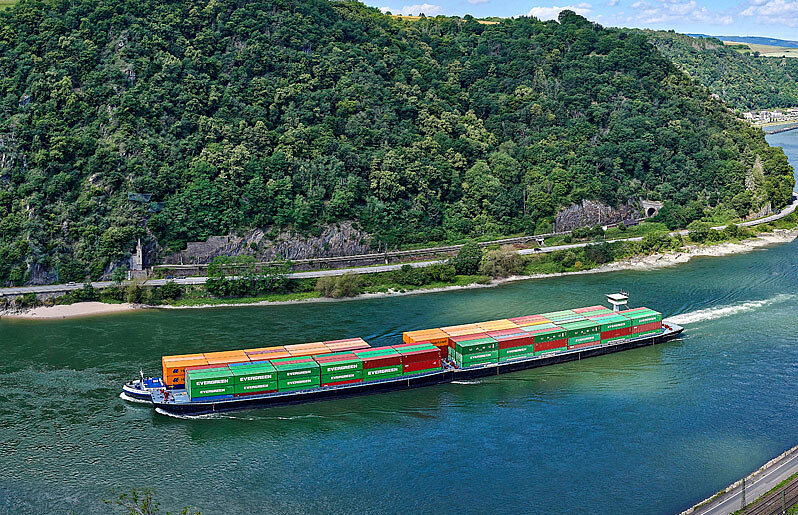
x=336, y=240
x=590, y=213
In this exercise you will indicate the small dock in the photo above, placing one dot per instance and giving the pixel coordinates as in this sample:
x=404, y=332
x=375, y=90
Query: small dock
x=782, y=129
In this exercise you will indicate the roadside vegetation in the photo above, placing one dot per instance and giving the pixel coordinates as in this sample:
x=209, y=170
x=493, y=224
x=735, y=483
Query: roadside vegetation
x=240, y=281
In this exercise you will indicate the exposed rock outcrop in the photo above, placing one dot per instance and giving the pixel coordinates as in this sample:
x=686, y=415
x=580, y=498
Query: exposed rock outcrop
x=591, y=212
x=335, y=240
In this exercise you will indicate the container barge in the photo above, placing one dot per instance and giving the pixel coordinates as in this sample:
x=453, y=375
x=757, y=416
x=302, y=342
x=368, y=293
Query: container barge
x=199, y=384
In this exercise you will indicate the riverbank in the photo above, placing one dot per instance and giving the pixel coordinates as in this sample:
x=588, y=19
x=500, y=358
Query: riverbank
x=79, y=309
x=638, y=263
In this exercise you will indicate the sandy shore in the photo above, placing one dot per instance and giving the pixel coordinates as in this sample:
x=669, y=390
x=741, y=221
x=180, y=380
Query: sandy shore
x=641, y=263
x=79, y=309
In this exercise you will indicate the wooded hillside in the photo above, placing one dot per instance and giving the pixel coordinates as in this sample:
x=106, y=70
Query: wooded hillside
x=235, y=114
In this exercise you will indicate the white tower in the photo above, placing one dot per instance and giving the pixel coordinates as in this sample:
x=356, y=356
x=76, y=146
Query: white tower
x=617, y=300
x=138, y=262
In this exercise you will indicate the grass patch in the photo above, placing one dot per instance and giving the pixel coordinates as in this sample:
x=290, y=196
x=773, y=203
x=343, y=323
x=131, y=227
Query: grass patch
x=5, y=4
x=460, y=280
x=277, y=297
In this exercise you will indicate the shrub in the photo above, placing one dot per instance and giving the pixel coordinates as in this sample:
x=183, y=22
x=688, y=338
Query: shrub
x=502, y=262
x=134, y=293
x=468, y=259
x=171, y=290
x=699, y=231
x=347, y=285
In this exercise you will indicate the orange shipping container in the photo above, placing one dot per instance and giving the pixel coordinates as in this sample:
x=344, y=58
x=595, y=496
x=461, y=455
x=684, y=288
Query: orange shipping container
x=497, y=325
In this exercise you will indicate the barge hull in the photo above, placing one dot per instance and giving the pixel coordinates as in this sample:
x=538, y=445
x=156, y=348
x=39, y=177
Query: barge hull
x=193, y=408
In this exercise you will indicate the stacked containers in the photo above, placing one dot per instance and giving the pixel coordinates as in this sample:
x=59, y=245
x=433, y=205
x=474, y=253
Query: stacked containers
x=252, y=378
x=644, y=321
x=209, y=384
x=297, y=373
x=340, y=368
x=174, y=368
x=513, y=343
x=582, y=333
x=381, y=363
x=549, y=340
x=226, y=357
x=472, y=350
x=437, y=337
x=614, y=327
x=419, y=358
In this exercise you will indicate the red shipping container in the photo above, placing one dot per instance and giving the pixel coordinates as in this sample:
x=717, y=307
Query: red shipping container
x=421, y=365
x=466, y=338
x=381, y=361
x=424, y=355
x=588, y=309
x=615, y=333
x=505, y=332
x=339, y=383
x=508, y=342
x=648, y=327
x=583, y=345
x=324, y=358
x=554, y=344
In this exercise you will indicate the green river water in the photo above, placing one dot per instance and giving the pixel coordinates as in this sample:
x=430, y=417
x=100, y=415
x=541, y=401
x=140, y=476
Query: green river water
x=645, y=431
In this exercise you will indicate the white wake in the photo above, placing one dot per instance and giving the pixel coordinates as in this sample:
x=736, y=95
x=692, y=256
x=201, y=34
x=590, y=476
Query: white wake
x=725, y=311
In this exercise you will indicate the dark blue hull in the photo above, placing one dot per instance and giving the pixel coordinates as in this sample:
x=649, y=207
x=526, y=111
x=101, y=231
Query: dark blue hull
x=178, y=403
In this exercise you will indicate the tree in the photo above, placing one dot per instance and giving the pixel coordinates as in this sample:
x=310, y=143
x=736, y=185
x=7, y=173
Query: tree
x=468, y=259
x=118, y=275
x=500, y=263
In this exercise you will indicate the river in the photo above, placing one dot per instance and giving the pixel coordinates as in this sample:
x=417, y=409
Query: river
x=646, y=431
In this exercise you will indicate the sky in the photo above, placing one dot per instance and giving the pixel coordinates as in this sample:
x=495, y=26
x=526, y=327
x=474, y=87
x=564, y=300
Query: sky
x=769, y=18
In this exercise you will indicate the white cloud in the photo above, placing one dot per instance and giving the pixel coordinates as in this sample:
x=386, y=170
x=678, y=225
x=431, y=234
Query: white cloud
x=550, y=13
x=678, y=11
x=476, y=2
x=415, y=10
x=612, y=3
x=780, y=12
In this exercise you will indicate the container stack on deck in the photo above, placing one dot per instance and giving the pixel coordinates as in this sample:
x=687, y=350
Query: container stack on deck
x=344, y=362
x=534, y=335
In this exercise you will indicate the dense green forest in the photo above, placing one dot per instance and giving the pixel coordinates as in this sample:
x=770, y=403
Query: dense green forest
x=743, y=80
x=175, y=120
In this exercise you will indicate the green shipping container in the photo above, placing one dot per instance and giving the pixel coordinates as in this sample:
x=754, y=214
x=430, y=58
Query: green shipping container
x=209, y=382
x=344, y=375
x=476, y=346
x=349, y=365
x=299, y=383
x=513, y=352
x=576, y=340
x=286, y=371
x=616, y=339
x=255, y=387
x=550, y=335
x=479, y=359
x=374, y=374
x=581, y=328
x=560, y=349
x=614, y=322
x=257, y=373
x=422, y=371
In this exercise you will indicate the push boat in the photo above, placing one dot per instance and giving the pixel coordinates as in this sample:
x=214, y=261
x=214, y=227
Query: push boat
x=178, y=401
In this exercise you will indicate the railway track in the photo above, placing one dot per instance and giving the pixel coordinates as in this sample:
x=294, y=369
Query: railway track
x=777, y=502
